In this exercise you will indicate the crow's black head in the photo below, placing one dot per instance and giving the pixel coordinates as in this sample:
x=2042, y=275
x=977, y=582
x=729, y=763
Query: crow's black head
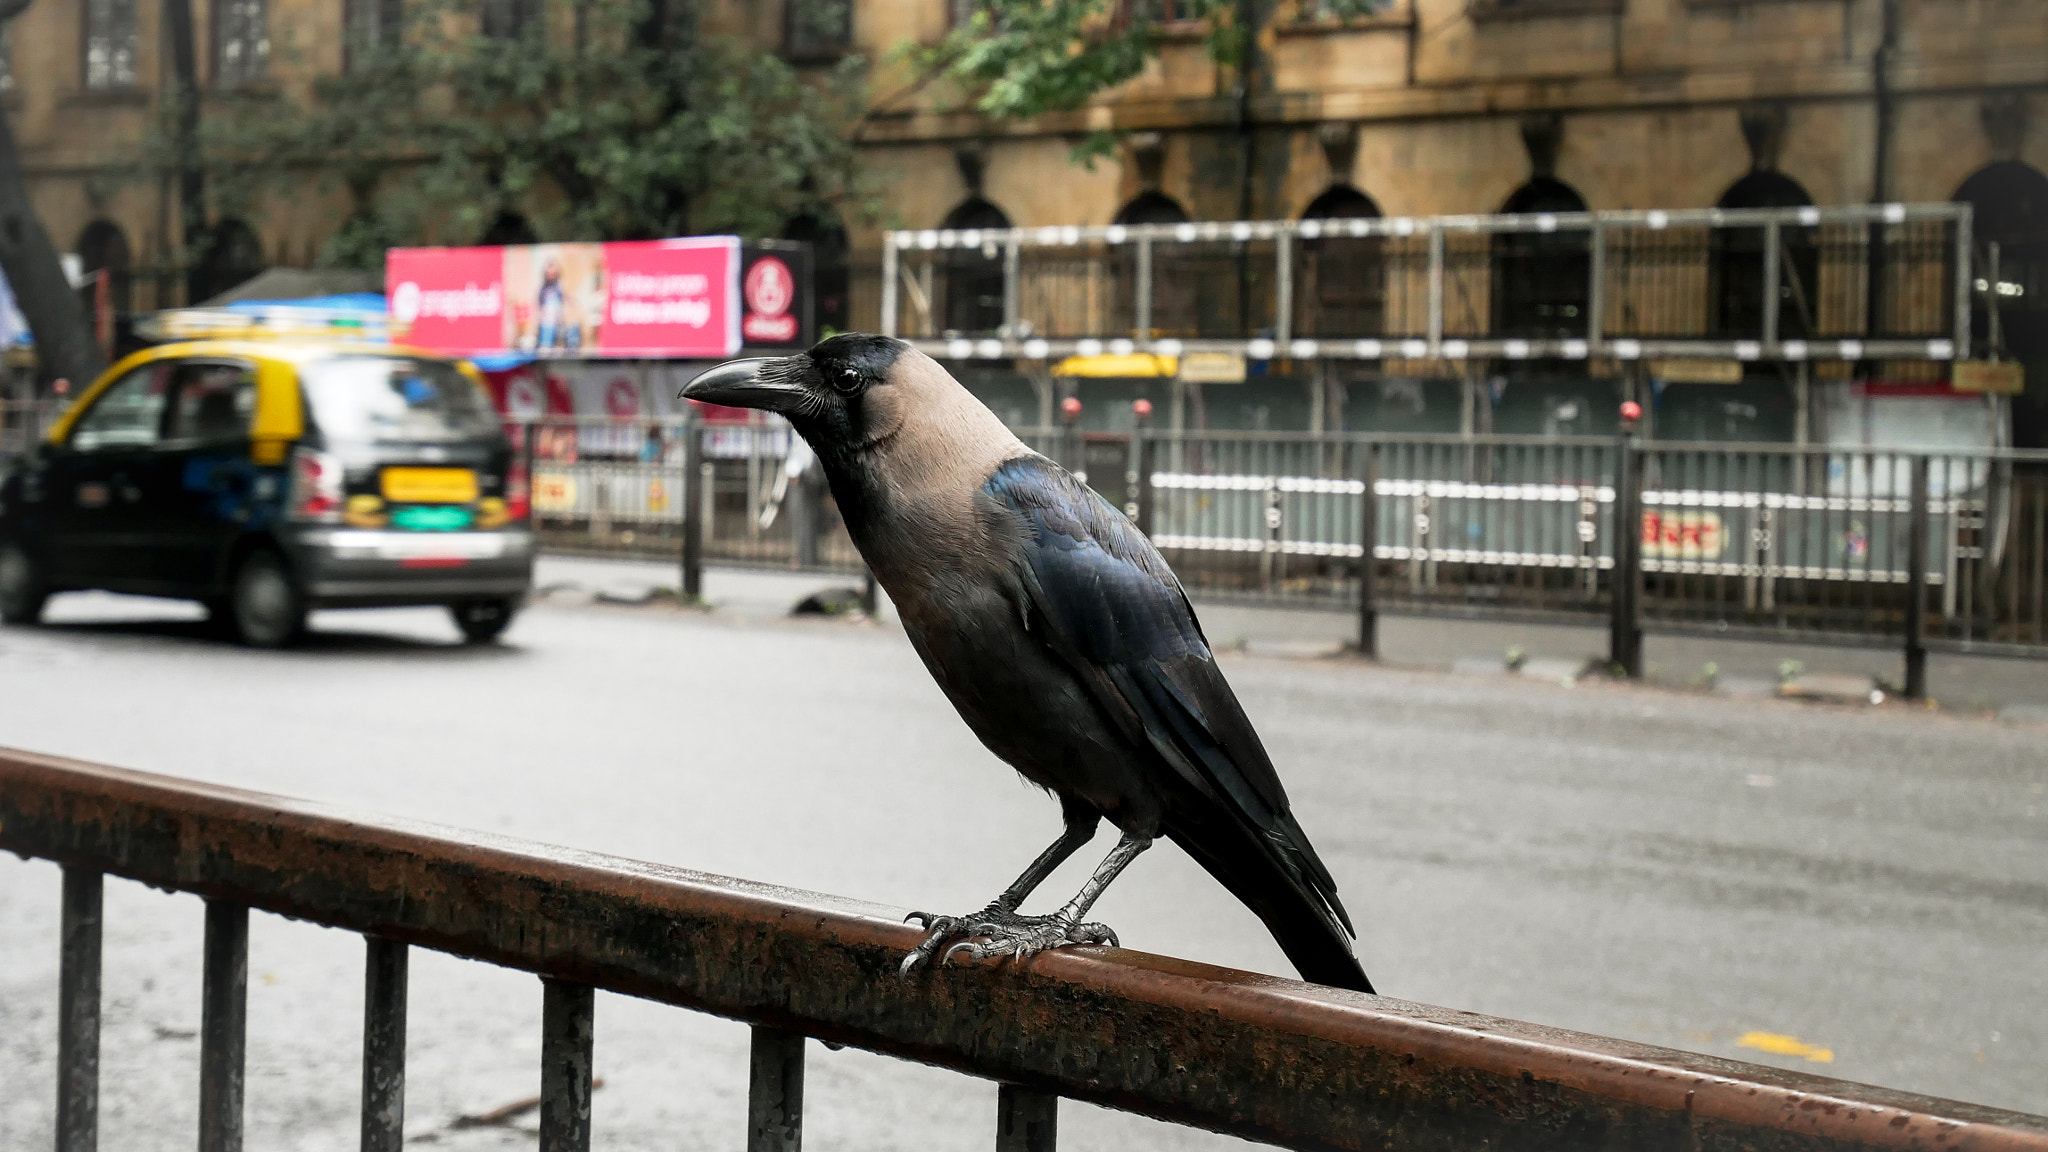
x=839, y=394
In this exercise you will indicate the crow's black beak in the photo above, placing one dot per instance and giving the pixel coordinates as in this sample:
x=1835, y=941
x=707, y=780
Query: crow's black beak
x=770, y=383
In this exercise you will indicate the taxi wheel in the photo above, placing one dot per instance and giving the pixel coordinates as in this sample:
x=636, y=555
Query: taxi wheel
x=267, y=608
x=482, y=621
x=22, y=590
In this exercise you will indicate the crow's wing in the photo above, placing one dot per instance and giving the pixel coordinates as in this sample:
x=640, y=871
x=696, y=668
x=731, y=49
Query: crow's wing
x=1106, y=602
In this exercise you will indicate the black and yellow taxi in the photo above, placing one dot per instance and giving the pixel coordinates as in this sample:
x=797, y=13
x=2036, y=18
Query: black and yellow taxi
x=265, y=478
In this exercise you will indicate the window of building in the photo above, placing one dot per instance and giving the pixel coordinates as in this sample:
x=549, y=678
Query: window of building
x=103, y=247
x=1542, y=280
x=1341, y=279
x=1173, y=294
x=827, y=238
x=507, y=19
x=373, y=26
x=971, y=299
x=232, y=255
x=111, y=44
x=509, y=227
x=1737, y=295
x=815, y=28
x=2011, y=207
x=241, y=41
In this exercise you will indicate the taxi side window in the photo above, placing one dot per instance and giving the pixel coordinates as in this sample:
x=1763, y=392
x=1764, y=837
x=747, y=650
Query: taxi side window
x=210, y=403
x=127, y=414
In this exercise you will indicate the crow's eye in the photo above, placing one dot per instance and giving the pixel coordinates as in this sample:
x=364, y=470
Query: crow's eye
x=846, y=381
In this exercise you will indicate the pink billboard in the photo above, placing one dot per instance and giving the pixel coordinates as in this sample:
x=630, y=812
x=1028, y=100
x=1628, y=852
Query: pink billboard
x=645, y=298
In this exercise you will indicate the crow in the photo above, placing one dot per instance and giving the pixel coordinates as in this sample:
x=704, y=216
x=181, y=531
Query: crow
x=1060, y=635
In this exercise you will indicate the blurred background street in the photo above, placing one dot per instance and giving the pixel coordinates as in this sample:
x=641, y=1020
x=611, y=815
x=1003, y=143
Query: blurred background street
x=1863, y=885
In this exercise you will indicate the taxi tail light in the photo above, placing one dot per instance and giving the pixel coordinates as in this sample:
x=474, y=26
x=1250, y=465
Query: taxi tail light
x=518, y=493
x=316, y=486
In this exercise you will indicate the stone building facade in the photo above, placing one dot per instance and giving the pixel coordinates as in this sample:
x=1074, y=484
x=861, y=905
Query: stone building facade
x=1429, y=107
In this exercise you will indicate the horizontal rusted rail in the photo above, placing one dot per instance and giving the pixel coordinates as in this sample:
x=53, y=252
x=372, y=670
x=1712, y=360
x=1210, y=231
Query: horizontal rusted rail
x=1264, y=1058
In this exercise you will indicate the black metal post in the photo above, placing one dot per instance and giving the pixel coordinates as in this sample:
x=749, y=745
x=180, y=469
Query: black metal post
x=870, y=592
x=1625, y=633
x=775, y=1092
x=78, y=1013
x=1026, y=1121
x=1146, y=496
x=695, y=480
x=1368, y=537
x=1916, y=584
x=384, y=988
x=223, y=1019
x=565, y=1054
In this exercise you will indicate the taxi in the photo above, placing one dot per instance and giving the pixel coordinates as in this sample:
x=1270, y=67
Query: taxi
x=267, y=477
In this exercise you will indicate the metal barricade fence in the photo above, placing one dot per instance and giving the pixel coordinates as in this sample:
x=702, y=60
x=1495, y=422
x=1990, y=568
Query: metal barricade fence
x=1814, y=542
x=1233, y=1052
x=623, y=487
x=1746, y=539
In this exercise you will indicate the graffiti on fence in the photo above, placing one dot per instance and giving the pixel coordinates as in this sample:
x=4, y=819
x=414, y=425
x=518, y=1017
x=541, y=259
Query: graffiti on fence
x=1683, y=535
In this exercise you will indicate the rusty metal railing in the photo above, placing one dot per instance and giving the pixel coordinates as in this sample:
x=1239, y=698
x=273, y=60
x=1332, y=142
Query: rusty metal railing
x=1258, y=1057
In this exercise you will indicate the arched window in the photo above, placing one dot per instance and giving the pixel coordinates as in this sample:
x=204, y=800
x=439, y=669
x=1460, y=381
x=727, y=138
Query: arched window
x=2011, y=208
x=1737, y=294
x=103, y=246
x=827, y=238
x=971, y=298
x=1152, y=208
x=1541, y=280
x=1173, y=271
x=509, y=227
x=232, y=254
x=1341, y=283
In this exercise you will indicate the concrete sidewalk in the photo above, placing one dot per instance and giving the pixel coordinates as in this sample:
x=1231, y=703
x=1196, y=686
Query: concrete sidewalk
x=2015, y=689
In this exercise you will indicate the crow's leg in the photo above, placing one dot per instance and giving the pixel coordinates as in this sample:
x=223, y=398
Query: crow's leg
x=1080, y=828
x=1023, y=937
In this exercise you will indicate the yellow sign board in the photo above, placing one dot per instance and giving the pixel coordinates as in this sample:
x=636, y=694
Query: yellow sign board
x=2006, y=377
x=554, y=492
x=430, y=485
x=1698, y=371
x=1212, y=367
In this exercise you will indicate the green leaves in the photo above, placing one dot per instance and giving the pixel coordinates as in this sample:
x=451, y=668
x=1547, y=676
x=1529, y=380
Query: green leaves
x=598, y=119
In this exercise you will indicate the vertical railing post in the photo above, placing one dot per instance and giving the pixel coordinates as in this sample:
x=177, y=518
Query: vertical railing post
x=1774, y=238
x=695, y=481
x=1146, y=496
x=1625, y=634
x=1436, y=287
x=223, y=1019
x=565, y=1054
x=1141, y=308
x=775, y=1091
x=1964, y=283
x=1283, y=291
x=1013, y=284
x=1026, y=1121
x=78, y=1012
x=1916, y=582
x=890, y=256
x=384, y=993
x=1596, y=291
x=1368, y=538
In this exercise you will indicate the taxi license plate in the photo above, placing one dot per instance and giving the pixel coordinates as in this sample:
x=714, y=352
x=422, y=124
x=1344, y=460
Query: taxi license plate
x=430, y=485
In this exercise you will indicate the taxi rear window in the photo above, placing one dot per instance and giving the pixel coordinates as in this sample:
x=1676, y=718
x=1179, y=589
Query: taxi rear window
x=396, y=399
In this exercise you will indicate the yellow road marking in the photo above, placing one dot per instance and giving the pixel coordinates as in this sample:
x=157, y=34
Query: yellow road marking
x=1778, y=1044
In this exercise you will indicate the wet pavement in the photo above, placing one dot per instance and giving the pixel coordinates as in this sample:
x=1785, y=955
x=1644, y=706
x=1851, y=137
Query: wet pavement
x=1701, y=871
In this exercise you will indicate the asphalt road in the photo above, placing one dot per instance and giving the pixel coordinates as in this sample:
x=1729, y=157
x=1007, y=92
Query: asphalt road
x=1678, y=869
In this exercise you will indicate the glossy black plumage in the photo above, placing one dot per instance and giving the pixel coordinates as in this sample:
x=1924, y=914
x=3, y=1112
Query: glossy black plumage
x=1107, y=603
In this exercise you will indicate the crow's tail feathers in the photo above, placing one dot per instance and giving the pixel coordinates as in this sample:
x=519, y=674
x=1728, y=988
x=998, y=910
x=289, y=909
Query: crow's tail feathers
x=1278, y=877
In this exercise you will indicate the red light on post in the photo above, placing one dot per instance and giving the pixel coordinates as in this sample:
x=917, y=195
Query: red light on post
x=1071, y=408
x=1141, y=408
x=1631, y=411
